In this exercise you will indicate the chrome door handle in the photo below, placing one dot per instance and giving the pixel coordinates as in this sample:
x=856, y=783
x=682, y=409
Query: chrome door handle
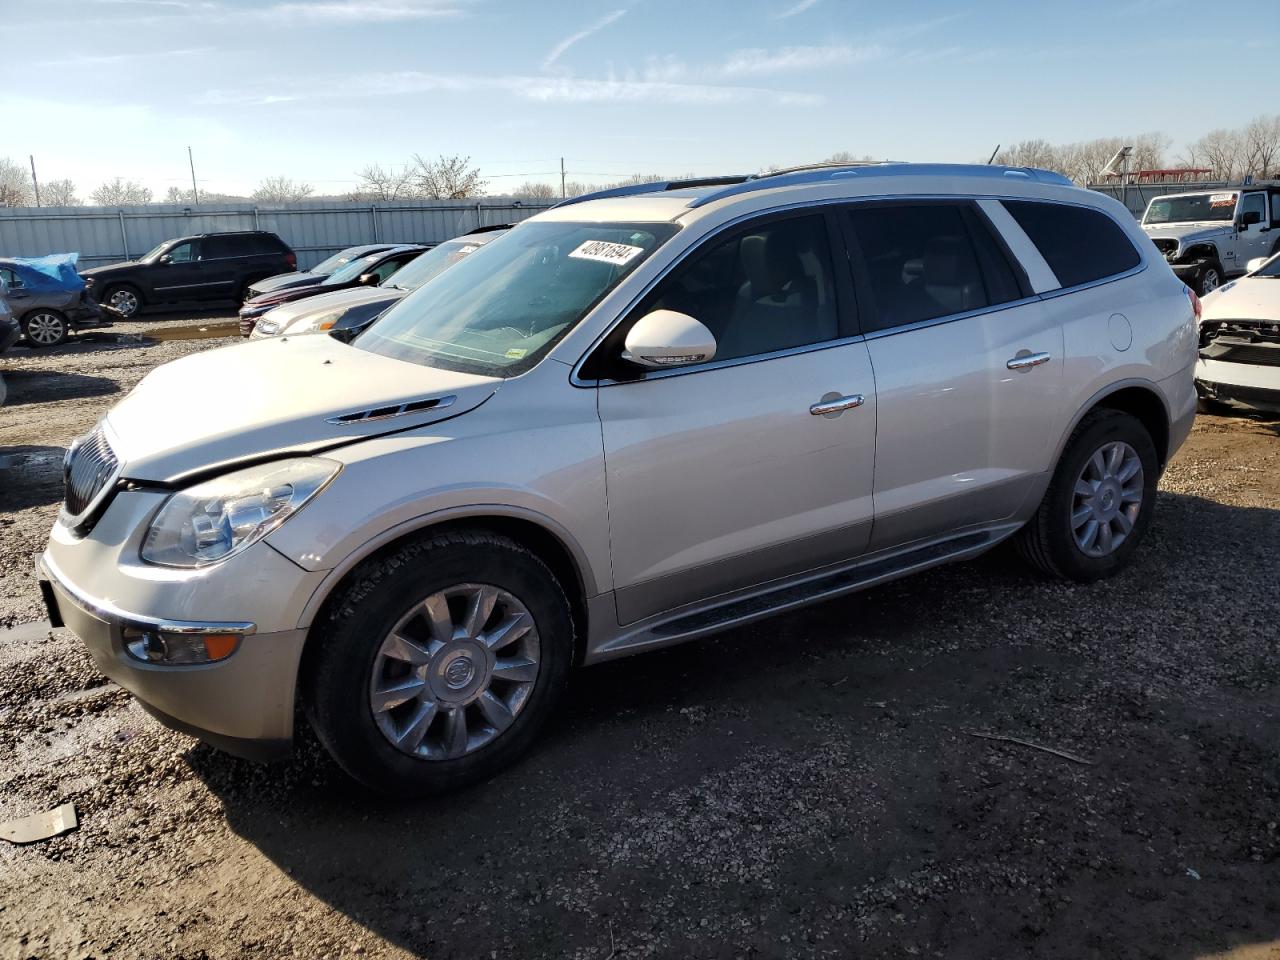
x=1025, y=361
x=833, y=403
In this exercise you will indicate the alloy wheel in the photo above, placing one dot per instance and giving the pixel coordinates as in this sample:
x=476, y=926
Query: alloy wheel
x=125, y=301
x=1210, y=281
x=455, y=671
x=46, y=329
x=1107, y=499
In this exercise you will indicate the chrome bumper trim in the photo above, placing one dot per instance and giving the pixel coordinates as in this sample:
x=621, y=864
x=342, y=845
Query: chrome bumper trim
x=108, y=612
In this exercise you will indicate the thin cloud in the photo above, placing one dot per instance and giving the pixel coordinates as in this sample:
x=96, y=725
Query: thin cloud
x=98, y=59
x=559, y=49
x=795, y=9
x=759, y=61
x=361, y=11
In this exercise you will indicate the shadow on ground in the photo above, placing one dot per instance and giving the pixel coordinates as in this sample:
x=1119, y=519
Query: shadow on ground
x=30, y=387
x=30, y=476
x=810, y=786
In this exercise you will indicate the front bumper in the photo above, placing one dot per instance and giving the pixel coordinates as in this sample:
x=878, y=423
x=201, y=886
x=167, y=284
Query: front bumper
x=1252, y=384
x=243, y=704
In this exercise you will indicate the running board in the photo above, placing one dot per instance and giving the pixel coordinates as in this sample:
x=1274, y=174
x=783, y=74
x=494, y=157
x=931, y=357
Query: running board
x=859, y=576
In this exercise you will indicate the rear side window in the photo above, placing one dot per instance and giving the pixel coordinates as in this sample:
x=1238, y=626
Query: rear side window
x=1080, y=245
x=266, y=243
x=219, y=248
x=927, y=260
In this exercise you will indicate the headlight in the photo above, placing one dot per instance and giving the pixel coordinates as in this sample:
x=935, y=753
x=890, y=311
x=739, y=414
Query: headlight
x=314, y=324
x=217, y=519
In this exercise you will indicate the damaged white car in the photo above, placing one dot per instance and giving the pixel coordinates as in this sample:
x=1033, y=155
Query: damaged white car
x=1240, y=339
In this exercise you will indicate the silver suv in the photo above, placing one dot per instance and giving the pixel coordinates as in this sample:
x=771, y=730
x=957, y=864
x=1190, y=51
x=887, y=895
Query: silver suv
x=633, y=420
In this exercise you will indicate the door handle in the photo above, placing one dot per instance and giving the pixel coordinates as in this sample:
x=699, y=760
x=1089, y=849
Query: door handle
x=1025, y=361
x=833, y=404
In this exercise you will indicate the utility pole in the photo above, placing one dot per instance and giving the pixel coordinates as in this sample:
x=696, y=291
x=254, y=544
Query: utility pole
x=34, y=182
x=563, y=194
x=195, y=191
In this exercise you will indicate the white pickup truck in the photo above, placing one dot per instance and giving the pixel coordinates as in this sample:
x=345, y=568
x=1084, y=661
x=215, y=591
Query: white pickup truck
x=1208, y=236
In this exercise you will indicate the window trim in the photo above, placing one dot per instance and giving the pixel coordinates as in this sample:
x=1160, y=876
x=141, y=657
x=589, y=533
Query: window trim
x=848, y=328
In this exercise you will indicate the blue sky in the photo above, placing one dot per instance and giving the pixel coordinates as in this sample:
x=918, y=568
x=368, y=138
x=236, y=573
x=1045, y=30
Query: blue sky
x=316, y=89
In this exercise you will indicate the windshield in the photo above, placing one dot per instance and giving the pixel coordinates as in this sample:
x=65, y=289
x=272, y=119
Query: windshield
x=155, y=251
x=501, y=309
x=1197, y=207
x=435, y=262
x=351, y=271
x=332, y=263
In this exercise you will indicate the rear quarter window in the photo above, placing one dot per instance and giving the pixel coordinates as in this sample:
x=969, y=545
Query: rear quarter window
x=1079, y=244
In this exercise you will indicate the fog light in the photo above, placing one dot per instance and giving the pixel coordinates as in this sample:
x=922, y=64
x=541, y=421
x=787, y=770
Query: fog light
x=180, y=648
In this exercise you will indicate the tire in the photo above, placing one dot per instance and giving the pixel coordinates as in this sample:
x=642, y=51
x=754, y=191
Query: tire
x=45, y=328
x=348, y=666
x=1210, y=278
x=124, y=298
x=1049, y=540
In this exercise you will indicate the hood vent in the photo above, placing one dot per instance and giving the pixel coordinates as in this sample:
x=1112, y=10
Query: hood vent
x=394, y=410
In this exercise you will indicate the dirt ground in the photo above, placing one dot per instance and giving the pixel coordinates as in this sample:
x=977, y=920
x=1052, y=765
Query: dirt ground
x=808, y=787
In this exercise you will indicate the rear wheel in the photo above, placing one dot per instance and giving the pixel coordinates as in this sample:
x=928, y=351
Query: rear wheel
x=439, y=663
x=123, y=299
x=45, y=328
x=1099, y=502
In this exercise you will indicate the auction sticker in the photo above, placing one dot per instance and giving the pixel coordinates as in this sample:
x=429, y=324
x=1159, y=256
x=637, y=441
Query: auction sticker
x=1222, y=200
x=606, y=252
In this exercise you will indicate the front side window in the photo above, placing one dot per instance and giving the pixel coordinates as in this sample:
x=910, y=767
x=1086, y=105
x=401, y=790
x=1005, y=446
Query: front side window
x=767, y=288
x=1080, y=245
x=921, y=263
x=1255, y=203
x=499, y=310
x=182, y=253
x=351, y=271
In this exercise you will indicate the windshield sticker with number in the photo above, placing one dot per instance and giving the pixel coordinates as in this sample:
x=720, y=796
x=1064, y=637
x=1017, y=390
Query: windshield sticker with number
x=606, y=252
x=1222, y=200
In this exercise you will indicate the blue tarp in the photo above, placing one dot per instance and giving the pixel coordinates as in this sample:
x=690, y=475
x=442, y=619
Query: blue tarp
x=52, y=274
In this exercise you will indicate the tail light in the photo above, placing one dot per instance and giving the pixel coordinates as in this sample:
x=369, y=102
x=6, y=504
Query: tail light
x=291, y=259
x=1196, y=305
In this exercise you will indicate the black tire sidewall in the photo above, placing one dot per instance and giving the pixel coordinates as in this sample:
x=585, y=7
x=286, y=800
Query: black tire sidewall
x=336, y=697
x=1067, y=556
x=26, y=329
x=1200, y=280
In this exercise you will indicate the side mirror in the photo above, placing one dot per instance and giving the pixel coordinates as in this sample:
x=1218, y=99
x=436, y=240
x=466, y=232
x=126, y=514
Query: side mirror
x=665, y=338
x=1250, y=217
x=368, y=280
x=164, y=258
x=1256, y=264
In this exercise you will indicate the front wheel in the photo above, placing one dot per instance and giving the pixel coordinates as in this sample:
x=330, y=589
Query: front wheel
x=438, y=665
x=45, y=328
x=1210, y=279
x=1099, y=502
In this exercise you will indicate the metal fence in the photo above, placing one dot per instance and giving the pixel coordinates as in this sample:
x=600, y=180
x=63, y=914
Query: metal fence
x=313, y=229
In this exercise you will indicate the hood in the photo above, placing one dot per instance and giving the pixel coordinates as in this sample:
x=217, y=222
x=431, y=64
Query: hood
x=214, y=409
x=341, y=300
x=1249, y=298
x=282, y=281
x=285, y=294
x=1188, y=232
x=111, y=267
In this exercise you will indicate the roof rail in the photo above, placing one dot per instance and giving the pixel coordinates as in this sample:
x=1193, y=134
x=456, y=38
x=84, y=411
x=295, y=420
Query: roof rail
x=824, y=173
x=657, y=186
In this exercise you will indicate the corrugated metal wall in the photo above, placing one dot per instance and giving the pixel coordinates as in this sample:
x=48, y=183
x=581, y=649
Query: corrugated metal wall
x=314, y=229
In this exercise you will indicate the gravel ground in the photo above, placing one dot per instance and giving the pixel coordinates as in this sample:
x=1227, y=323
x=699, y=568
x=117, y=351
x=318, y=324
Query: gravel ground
x=807, y=787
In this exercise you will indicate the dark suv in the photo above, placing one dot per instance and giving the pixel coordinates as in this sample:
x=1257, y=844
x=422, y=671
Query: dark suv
x=211, y=266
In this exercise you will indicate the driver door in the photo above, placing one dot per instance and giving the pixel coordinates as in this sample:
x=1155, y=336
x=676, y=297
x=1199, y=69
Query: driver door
x=182, y=275
x=1255, y=239
x=719, y=475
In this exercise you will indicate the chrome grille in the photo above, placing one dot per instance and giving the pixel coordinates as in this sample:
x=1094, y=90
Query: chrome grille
x=90, y=465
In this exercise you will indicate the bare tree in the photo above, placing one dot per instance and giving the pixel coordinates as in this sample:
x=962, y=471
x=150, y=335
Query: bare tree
x=1221, y=150
x=1084, y=161
x=845, y=156
x=15, y=184
x=530, y=190
x=59, y=193
x=390, y=184
x=1262, y=146
x=121, y=192
x=282, y=190
x=448, y=178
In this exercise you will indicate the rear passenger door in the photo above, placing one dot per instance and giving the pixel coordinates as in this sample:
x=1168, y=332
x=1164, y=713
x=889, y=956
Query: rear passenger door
x=968, y=366
x=223, y=261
